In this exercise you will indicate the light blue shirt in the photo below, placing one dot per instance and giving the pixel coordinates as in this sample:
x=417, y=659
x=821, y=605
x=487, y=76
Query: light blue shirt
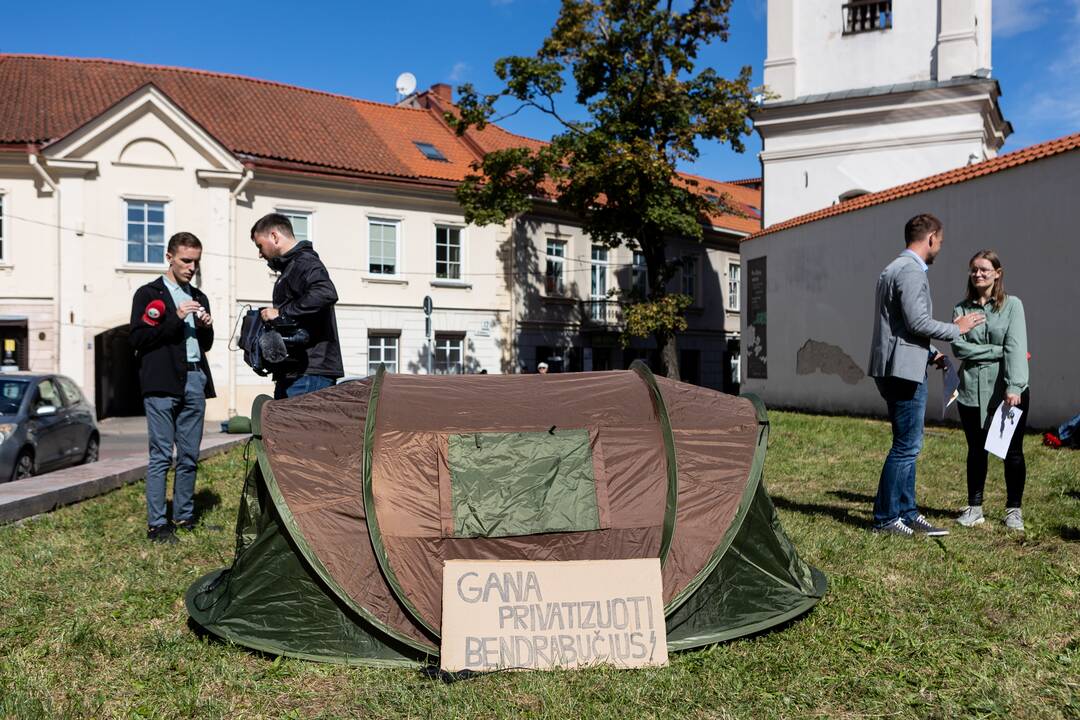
x=922, y=263
x=182, y=294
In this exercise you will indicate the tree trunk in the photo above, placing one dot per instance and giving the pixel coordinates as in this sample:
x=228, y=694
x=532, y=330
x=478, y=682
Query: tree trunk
x=669, y=355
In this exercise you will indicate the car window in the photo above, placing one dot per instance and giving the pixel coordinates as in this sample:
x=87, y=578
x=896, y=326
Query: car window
x=47, y=395
x=70, y=390
x=11, y=395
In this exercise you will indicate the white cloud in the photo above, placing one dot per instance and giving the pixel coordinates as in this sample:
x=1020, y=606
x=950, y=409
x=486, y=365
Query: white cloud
x=1012, y=17
x=457, y=74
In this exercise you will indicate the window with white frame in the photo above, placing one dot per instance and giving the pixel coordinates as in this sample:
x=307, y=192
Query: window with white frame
x=690, y=276
x=301, y=223
x=449, y=354
x=598, y=272
x=2, y=228
x=639, y=279
x=554, y=279
x=145, y=231
x=733, y=271
x=382, y=349
x=383, y=247
x=447, y=253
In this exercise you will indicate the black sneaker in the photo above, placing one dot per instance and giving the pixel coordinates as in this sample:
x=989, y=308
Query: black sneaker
x=161, y=534
x=896, y=527
x=922, y=526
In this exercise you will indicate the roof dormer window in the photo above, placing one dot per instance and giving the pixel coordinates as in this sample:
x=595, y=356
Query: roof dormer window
x=430, y=151
x=867, y=15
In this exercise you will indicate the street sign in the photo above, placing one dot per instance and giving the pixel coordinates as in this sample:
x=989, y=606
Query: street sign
x=427, y=305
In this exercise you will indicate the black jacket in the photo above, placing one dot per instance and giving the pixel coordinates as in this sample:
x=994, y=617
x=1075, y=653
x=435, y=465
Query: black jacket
x=160, y=350
x=305, y=294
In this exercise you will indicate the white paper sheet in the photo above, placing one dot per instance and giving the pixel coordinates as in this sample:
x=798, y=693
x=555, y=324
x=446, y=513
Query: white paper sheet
x=1002, y=427
x=950, y=386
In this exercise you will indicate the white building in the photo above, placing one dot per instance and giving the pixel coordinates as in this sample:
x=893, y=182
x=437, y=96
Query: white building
x=101, y=161
x=867, y=94
x=810, y=281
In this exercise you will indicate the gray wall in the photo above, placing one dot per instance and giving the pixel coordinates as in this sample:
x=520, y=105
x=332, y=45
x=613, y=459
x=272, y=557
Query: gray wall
x=821, y=278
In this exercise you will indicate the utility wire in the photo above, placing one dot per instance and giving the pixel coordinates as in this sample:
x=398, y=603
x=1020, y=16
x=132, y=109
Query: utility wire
x=585, y=263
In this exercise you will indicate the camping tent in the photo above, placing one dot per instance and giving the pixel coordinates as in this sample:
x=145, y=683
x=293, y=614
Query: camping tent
x=360, y=492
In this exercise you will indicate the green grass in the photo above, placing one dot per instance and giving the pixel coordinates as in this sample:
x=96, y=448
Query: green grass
x=982, y=624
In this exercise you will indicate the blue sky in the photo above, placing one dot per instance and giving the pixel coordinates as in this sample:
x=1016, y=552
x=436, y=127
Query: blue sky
x=358, y=48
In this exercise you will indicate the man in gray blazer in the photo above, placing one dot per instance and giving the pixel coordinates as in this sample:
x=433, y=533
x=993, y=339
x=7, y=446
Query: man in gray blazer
x=899, y=355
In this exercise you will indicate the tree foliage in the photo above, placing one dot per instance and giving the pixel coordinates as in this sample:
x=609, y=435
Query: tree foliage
x=633, y=65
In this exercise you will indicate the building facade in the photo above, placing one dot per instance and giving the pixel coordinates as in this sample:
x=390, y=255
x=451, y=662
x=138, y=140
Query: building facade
x=100, y=162
x=810, y=281
x=867, y=94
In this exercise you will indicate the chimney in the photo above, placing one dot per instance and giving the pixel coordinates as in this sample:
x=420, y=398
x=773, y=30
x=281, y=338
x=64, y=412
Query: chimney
x=443, y=92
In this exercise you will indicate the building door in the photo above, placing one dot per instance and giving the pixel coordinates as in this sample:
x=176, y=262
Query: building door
x=14, y=353
x=116, y=376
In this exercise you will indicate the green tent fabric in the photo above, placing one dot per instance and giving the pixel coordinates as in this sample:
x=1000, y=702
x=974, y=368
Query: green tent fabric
x=359, y=492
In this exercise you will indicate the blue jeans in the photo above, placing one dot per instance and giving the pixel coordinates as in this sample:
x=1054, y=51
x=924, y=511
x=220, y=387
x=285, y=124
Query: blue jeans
x=174, y=420
x=291, y=387
x=906, y=401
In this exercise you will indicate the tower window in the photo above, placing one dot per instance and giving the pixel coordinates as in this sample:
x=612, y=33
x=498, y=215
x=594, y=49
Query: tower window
x=867, y=15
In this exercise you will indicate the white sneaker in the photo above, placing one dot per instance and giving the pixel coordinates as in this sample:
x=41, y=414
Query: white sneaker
x=1014, y=519
x=971, y=515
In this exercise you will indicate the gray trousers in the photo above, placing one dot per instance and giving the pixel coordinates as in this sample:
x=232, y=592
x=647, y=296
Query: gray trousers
x=174, y=421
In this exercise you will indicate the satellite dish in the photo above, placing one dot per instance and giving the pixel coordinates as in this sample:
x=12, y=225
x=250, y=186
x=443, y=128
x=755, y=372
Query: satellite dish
x=406, y=84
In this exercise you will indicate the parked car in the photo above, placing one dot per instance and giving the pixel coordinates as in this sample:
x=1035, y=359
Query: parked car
x=45, y=423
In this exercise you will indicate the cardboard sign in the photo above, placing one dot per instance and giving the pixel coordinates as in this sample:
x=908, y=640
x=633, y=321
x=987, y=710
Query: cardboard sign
x=500, y=614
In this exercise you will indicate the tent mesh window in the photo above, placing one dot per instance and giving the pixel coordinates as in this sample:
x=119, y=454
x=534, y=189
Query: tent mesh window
x=522, y=483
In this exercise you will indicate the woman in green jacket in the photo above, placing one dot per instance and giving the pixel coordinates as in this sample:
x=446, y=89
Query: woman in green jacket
x=994, y=368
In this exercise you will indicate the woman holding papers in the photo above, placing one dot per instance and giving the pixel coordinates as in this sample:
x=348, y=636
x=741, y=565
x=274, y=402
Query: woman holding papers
x=993, y=384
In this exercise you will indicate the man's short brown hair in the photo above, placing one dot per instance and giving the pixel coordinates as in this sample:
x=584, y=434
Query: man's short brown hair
x=919, y=227
x=183, y=239
x=273, y=221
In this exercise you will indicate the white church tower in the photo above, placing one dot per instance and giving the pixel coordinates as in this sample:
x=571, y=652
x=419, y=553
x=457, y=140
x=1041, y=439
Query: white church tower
x=868, y=94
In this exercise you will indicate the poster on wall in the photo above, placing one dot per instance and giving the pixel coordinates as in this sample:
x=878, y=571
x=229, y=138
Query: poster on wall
x=756, y=320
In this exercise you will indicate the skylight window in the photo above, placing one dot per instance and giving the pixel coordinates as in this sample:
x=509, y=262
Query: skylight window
x=430, y=151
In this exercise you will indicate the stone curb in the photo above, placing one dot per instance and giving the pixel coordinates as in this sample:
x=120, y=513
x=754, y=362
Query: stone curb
x=24, y=498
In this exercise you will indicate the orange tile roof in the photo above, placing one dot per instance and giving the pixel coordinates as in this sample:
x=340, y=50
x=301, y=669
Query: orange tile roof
x=949, y=177
x=267, y=123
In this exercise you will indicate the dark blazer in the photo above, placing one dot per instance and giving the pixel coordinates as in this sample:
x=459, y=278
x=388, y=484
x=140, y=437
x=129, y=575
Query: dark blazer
x=904, y=323
x=160, y=350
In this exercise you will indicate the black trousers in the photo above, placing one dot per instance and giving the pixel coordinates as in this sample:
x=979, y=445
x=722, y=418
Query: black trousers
x=975, y=428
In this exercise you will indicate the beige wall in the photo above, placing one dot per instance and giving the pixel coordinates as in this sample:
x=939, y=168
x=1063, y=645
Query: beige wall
x=821, y=279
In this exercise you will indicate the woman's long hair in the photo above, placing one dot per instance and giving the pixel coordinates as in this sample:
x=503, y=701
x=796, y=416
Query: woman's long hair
x=998, y=291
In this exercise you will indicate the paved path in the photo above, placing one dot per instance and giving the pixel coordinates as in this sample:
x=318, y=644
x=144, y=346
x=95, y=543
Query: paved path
x=123, y=461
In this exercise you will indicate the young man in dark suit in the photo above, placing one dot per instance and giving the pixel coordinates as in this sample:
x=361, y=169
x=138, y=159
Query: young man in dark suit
x=171, y=332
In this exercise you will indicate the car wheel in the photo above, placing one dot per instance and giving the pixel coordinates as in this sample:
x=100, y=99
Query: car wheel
x=24, y=466
x=93, y=446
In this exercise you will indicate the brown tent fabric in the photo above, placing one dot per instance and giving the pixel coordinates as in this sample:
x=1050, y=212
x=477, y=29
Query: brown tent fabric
x=315, y=447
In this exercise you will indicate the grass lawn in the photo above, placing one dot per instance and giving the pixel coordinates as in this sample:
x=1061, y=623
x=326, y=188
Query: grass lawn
x=981, y=624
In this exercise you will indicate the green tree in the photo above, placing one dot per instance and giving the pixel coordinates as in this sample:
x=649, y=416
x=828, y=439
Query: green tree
x=646, y=107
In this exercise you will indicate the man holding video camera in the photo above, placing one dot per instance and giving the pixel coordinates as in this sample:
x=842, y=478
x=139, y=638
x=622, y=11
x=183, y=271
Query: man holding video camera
x=303, y=309
x=171, y=331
